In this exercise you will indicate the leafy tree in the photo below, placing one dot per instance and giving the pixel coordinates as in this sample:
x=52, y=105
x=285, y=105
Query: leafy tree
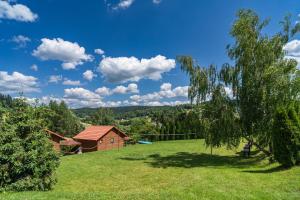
x=27, y=158
x=261, y=79
x=220, y=112
x=63, y=120
x=286, y=136
x=141, y=127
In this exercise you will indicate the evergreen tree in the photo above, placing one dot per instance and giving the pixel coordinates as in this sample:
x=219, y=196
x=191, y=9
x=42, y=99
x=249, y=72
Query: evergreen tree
x=286, y=136
x=103, y=116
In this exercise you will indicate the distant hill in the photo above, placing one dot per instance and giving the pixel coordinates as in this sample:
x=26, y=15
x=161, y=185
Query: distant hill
x=126, y=112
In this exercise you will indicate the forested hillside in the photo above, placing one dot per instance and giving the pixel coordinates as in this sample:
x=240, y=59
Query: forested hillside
x=126, y=112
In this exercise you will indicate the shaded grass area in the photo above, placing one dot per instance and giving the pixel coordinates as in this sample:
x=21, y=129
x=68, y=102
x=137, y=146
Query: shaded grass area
x=169, y=170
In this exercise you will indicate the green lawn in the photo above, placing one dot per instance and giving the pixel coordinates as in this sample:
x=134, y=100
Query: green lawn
x=168, y=170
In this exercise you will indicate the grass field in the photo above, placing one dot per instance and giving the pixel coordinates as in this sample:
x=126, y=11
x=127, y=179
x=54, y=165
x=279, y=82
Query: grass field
x=168, y=170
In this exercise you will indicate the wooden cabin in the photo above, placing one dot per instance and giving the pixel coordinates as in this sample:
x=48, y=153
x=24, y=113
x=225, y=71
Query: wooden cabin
x=58, y=141
x=97, y=138
x=55, y=139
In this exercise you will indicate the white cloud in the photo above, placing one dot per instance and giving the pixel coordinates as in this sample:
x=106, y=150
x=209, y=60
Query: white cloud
x=131, y=88
x=18, y=12
x=81, y=93
x=17, y=82
x=89, y=75
x=99, y=51
x=103, y=91
x=80, y=97
x=156, y=1
x=123, y=4
x=123, y=69
x=70, y=82
x=21, y=41
x=166, y=91
x=71, y=54
x=292, y=49
x=55, y=78
x=34, y=67
x=166, y=86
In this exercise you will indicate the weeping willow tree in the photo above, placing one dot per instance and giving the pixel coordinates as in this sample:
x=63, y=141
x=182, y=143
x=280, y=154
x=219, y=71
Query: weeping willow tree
x=259, y=80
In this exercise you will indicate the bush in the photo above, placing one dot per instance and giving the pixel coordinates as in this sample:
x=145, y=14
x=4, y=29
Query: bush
x=286, y=136
x=27, y=158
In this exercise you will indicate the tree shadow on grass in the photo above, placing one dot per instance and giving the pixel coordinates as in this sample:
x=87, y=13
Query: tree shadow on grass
x=191, y=160
x=267, y=171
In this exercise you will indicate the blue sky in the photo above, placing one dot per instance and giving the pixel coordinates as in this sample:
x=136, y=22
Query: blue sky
x=117, y=52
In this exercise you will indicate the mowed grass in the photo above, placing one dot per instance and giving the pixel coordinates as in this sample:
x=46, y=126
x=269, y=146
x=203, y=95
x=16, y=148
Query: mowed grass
x=168, y=170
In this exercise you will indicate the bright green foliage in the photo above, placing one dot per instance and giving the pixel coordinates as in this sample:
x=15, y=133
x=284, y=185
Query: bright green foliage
x=63, y=120
x=286, y=136
x=27, y=158
x=141, y=127
x=222, y=125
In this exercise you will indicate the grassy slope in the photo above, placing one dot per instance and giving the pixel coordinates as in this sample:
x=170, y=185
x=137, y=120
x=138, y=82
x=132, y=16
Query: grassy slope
x=168, y=170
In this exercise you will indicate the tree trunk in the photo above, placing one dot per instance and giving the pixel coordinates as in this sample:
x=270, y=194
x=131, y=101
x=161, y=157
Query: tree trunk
x=267, y=153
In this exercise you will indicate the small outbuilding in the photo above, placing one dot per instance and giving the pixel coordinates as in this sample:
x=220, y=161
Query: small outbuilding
x=96, y=138
x=55, y=139
x=60, y=141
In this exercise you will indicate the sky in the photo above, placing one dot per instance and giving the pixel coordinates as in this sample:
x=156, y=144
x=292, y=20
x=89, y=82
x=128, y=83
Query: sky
x=103, y=53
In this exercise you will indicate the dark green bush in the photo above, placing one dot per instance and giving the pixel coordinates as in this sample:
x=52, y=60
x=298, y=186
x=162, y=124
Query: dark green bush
x=286, y=136
x=27, y=158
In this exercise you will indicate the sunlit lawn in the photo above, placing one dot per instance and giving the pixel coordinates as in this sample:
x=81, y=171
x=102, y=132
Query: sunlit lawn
x=169, y=170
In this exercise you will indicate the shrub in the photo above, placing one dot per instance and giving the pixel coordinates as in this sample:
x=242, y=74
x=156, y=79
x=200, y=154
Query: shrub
x=27, y=158
x=286, y=135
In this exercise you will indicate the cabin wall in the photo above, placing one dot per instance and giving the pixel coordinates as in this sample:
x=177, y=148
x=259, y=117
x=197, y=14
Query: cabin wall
x=88, y=145
x=110, y=141
x=55, y=141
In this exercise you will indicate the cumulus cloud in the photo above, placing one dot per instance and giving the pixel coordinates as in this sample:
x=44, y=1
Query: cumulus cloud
x=123, y=69
x=121, y=89
x=17, y=82
x=103, y=91
x=70, y=82
x=81, y=93
x=80, y=97
x=89, y=75
x=21, y=41
x=55, y=78
x=99, y=51
x=131, y=88
x=18, y=12
x=34, y=67
x=166, y=91
x=71, y=54
x=292, y=49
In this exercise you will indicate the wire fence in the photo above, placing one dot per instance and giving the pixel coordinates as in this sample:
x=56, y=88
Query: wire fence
x=165, y=137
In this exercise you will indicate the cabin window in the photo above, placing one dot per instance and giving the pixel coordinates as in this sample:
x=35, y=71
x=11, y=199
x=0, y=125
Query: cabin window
x=112, y=140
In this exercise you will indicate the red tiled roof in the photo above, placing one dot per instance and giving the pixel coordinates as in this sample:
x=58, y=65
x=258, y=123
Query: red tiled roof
x=95, y=133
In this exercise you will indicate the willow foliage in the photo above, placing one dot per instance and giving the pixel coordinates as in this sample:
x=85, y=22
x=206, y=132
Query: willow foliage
x=259, y=80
